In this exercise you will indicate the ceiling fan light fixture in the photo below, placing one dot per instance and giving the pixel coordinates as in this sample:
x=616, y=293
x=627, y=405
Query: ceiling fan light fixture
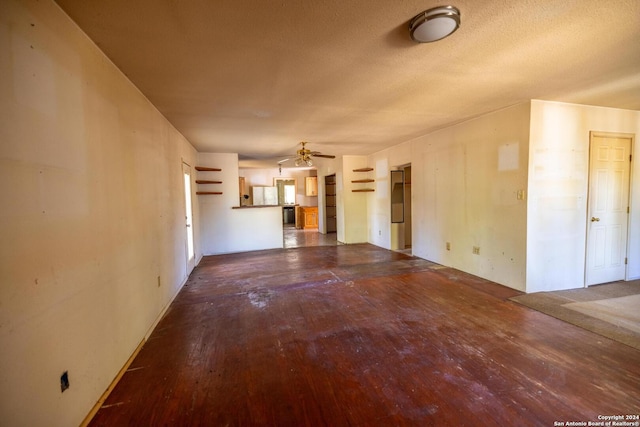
x=434, y=24
x=303, y=156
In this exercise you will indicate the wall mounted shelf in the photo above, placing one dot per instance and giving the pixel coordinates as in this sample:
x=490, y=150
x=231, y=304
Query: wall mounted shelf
x=207, y=181
x=364, y=180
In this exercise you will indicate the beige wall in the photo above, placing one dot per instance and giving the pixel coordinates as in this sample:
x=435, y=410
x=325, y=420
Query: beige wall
x=353, y=222
x=465, y=182
x=91, y=217
x=323, y=168
x=558, y=190
x=226, y=230
x=379, y=206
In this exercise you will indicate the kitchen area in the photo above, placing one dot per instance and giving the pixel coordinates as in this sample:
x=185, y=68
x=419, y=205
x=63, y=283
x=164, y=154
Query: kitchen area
x=296, y=193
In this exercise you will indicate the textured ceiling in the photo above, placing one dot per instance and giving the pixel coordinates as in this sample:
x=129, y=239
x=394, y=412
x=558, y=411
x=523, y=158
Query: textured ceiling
x=257, y=77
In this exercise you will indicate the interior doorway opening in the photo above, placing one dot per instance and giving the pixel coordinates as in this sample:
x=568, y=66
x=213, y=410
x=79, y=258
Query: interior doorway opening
x=400, y=194
x=331, y=218
x=407, y=206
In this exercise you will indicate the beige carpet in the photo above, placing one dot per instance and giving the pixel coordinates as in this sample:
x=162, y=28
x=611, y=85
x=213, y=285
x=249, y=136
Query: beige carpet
x=611, y=310
x=623, y=311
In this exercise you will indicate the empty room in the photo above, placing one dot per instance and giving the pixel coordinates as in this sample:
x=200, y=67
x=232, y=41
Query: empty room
x=319, y=213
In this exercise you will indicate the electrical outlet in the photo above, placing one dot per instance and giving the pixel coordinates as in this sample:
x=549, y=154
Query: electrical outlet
x=448, y=246
x=520, y=195
x=476, y=250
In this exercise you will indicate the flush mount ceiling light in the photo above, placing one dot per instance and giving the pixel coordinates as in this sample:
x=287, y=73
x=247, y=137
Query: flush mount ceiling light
x=434, y=24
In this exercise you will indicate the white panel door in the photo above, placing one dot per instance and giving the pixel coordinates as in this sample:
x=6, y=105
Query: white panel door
x=608, y=209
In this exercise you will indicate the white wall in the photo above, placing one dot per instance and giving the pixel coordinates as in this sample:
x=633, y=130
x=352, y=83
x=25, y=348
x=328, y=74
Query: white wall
x=558, y=188
x=351, y=211
x=324, y=168
x=465, y=181
x=353, y=223
x=226, y=230
x=379, y=207
x=92, y=217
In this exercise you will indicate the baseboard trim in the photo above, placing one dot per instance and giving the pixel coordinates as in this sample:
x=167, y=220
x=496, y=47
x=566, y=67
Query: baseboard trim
x=117, y=378
x=113, y=384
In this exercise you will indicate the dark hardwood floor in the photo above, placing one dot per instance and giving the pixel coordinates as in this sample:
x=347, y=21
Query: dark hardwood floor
x=354, y=335
x=298, y=238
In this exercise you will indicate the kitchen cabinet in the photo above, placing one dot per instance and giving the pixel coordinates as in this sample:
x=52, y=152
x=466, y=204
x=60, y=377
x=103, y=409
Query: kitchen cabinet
x=311, y=186
x=309, y=216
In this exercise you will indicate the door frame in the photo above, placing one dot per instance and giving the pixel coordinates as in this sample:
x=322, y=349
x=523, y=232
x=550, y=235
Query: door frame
x=398, y=233
x=186, y=169
x=408, y=215
x=604, y=134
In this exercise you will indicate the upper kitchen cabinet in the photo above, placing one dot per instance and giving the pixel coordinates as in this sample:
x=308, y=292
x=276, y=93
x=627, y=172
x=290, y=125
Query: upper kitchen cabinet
x=311, y=186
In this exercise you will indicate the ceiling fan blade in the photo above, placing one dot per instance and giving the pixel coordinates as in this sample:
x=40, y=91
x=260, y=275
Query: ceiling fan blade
x=326, y=156
x=283, y=160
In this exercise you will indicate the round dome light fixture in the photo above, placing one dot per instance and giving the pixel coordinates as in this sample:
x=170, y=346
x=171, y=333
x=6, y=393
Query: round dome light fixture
x=434, y=24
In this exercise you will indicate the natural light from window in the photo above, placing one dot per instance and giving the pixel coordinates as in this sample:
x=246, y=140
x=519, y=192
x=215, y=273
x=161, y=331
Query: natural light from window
x=289, y=194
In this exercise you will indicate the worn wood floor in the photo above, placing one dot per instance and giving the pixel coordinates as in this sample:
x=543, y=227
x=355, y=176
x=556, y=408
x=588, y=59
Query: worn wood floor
x=298, y=238
x=355, y=335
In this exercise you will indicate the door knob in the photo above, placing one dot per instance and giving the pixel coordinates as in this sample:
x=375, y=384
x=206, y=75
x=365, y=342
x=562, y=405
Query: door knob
x=594, y=219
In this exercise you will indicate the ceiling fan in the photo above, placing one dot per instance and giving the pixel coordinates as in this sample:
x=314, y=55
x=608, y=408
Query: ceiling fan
x=303, y=156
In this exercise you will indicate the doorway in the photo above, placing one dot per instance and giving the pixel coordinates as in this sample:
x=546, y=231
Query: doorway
x=188, y=214
x=400, y=198
x=330, y=207
x=407, y=206
x=608, y=207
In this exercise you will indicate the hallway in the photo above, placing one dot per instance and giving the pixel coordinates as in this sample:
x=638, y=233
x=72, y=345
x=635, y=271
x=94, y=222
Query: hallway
x=358, y=335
